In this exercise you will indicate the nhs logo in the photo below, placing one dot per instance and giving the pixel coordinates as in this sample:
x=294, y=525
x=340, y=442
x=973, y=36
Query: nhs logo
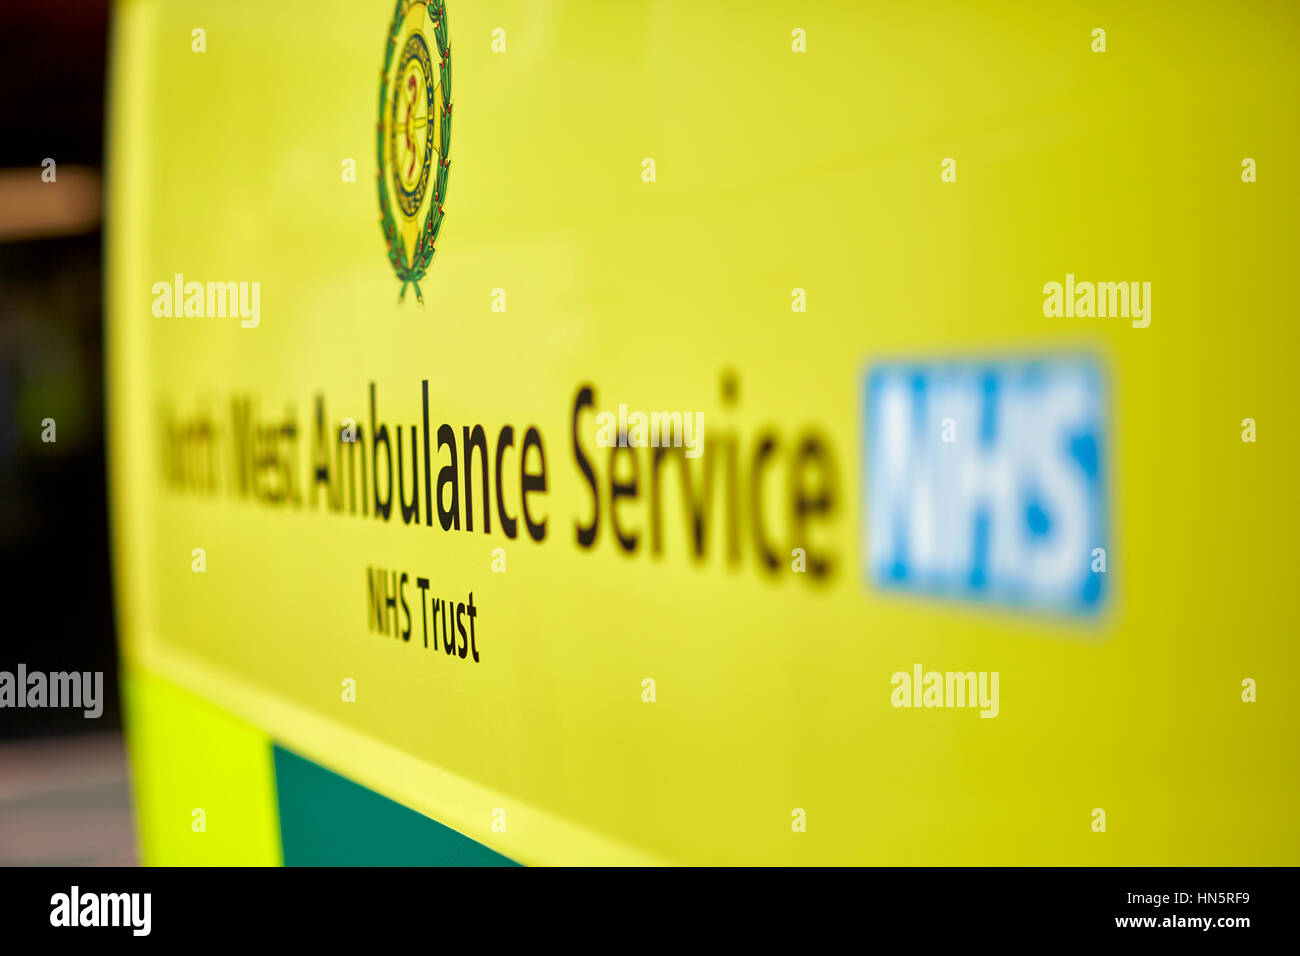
x=986, y=481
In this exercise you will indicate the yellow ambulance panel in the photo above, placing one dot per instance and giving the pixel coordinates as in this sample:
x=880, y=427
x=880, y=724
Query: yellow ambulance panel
x=654, y=432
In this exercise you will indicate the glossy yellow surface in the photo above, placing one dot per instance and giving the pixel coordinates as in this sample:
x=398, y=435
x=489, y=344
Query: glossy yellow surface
x=774, y=170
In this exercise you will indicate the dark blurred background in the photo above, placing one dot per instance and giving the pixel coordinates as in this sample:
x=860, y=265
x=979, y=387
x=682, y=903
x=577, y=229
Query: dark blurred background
x=63, y=791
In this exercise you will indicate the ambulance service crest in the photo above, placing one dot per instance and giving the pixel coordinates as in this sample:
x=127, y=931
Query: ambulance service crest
x=414, y=135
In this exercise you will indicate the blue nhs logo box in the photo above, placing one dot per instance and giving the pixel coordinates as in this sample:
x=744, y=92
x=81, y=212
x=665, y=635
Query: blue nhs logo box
x=986, y=481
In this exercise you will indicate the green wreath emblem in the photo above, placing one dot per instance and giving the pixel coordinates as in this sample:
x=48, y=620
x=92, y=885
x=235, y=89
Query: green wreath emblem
x=411, y=272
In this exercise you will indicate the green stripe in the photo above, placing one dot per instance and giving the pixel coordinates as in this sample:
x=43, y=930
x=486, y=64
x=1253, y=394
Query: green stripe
x=327, y=820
